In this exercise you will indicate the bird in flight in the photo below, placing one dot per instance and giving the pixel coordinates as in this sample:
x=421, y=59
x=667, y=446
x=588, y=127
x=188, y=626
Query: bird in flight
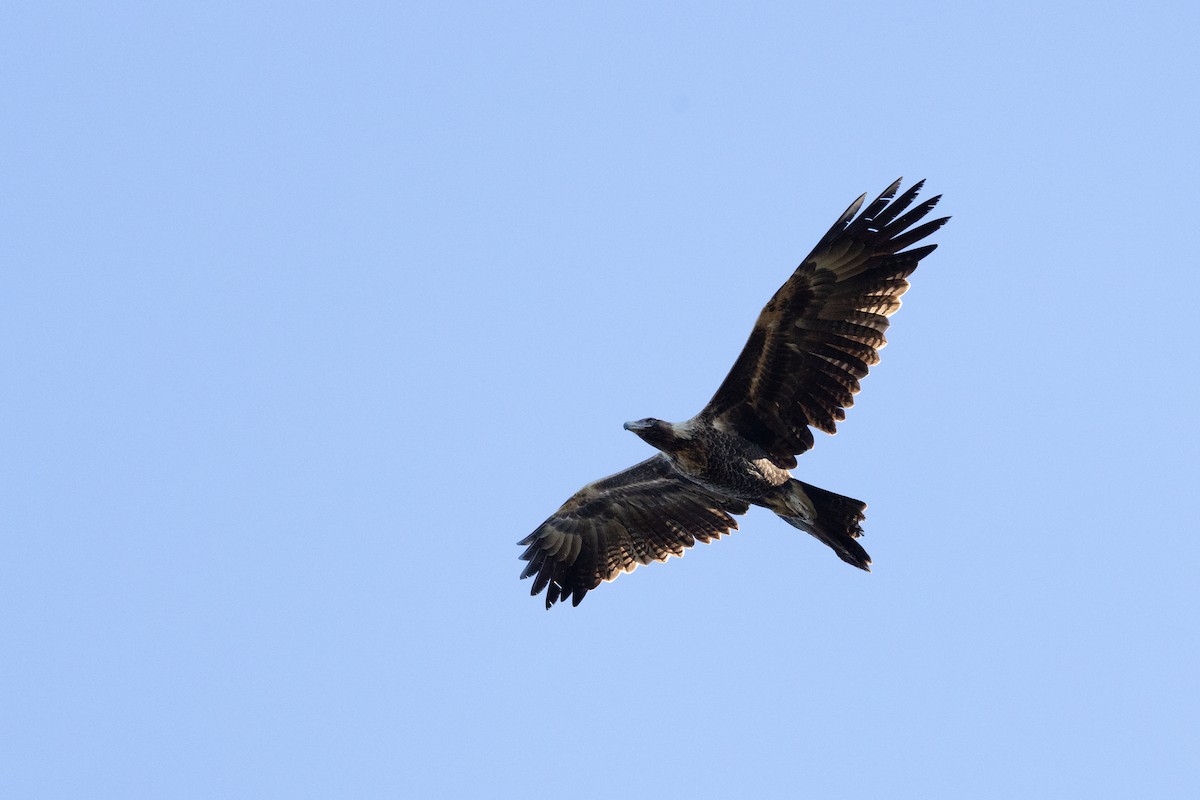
x=812, y=344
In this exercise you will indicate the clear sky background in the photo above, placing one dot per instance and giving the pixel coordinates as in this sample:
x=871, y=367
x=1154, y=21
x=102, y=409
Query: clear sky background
x=311, y=311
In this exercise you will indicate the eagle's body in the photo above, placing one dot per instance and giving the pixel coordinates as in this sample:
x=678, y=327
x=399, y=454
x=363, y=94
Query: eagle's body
x=801, y=367
x=719, y=460
x=723, y=463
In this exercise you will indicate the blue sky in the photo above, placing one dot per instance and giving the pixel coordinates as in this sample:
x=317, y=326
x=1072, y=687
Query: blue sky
x=311, y=311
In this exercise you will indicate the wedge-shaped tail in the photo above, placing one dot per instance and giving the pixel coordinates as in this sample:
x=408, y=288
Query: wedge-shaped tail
x=837, y=524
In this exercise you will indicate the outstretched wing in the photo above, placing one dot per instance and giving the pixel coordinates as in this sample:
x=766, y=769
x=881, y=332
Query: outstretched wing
x=823, y=329
x=646, y=513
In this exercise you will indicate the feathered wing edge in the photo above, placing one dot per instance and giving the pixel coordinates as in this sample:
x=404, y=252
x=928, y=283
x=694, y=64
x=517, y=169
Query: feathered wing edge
x=821, y=332
x=645, y=513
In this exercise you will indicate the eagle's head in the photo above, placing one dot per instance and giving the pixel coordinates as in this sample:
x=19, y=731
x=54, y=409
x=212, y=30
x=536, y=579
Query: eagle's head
x=655, y=432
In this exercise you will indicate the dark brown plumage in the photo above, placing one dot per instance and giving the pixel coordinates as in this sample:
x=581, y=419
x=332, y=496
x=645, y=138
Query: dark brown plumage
x=800, y=369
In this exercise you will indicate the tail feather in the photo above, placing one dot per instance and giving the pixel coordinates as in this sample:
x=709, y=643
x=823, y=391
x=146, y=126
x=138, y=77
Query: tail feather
x=836, y=523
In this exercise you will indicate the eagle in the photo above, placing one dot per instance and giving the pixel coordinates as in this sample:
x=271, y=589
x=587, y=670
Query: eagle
x=800, y=369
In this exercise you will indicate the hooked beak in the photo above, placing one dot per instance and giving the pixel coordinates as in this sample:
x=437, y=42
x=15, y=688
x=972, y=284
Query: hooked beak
x=635, y=426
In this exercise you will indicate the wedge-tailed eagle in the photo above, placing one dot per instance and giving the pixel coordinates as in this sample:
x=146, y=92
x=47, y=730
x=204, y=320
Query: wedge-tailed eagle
x=812, y=344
